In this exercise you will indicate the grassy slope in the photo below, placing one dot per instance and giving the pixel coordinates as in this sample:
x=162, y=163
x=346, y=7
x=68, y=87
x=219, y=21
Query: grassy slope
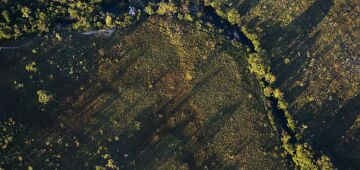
x=312, y=46
x=163, y=95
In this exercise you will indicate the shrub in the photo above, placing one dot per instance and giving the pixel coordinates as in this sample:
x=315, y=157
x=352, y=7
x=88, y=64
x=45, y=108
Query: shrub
x=324, y=163
x=43, y=97
x=282, y=104
x=233, y=17
x=268, y=91
x=303, y=157
x=6, y=16
x=25, y=12
x=42, y=22
x=165, y=8
x=270, y=78
x=256, y=65
x=188, y=17
x=31, y=67
x=149, y=10
x=108, y=21
x=253, y=38
x=290, y=121
x=278, y=94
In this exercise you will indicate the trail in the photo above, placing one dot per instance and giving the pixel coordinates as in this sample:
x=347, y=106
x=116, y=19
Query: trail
x=104, y=33
x=16, y=47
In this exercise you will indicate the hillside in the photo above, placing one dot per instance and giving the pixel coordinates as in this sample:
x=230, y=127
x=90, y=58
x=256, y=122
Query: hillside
x=214, y=84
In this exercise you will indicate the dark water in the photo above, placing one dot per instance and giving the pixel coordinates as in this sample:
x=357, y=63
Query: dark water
x=281, y=120
x=231, y=31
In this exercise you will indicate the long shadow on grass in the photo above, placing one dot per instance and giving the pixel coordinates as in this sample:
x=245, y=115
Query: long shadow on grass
x=135, y=144
x=330, y=128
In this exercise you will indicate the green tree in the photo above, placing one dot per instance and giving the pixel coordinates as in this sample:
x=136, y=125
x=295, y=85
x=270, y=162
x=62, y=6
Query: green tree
x=165, y=8
x=109, y=21
x=233, y=17
x=25, y=12
x=6, y=16
x=256, y=65
x=149, y=10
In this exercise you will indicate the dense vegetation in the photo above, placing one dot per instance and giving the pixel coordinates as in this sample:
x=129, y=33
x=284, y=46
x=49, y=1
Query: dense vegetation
x=86, y=96
x=25, y=17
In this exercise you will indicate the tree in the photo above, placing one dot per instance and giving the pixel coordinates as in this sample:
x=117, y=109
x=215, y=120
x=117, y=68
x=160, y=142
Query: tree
x=149, y=10
x=278, y=94
x=6, y=16
x=109, y=21
x=270, y=78
x=25, y=12
x=233, y=17
x=43, y=97
x=268, y=91
x=166, y=8
x=256, y=65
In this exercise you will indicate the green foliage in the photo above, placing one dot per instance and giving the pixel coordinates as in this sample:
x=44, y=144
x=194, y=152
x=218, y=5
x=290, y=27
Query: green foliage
x=253, y=39
x=267, y=91
x=290, y=121
x=256, y=65
x=109, y=21
x=270, y=78
x=100, y=168
x=166, y=8
x=303, y=157
x=301, y=154
x=324, y=163
x=96, y=1
x=42, y=23
x=31, y=67
x=43, y=96
x=39, y=17
x=25, y=12
x=278, y=94
x=188, y=17
x=233, y=17
x=6, y=16
x=7, y=133
x=282, y=104
x=149, y=10
x=5, y=31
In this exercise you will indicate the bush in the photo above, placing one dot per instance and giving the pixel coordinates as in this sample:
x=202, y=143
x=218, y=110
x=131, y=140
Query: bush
x=303, y=157
x=278, y=94
x=165, y=8
x=268, y=91
x=6, y=16
x=188, y=17
x=25, y=12
x=282, y=104
x=256, y=65
x=109, y=21
x=43, y=97
x=270, y=78
x=324, y=163
x=31, y=67
x=233, y=17
x=149, y=10
x=253, y=38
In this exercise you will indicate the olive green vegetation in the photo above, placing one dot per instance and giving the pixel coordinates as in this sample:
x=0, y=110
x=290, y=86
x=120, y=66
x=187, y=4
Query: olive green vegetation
x=301, y=154
x=318, y=77
x=183, y=102
x=26, y=17
x=171, y=124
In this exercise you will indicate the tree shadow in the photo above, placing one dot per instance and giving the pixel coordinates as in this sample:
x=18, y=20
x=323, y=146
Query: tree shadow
x=298, y=29
x=328, y=127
